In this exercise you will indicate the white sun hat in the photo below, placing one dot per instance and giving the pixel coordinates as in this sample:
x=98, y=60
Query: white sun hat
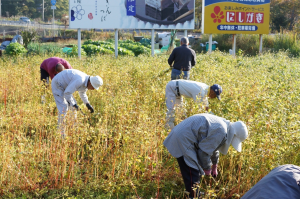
x=96, y=82
x=236, y=135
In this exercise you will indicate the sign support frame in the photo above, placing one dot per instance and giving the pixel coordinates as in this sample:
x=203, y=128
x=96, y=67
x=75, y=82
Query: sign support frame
x=79, y=42
x=260, y=44
x=152, y=42
x=210, y=44
x=116, y=42
x=233, y=45
x=53, y=24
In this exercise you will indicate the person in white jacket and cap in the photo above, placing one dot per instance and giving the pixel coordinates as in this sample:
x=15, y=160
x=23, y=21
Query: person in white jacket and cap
x=64, y=84
x=197, y=141
x=199, y=91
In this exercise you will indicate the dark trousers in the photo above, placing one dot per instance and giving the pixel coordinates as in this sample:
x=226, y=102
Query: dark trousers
x=190, y=176
x=44, y=76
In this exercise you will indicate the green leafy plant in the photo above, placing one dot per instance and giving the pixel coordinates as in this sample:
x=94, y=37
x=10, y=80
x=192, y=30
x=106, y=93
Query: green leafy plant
x=74, y=52
x=137, y=49
x=97, y=43
x=15, y=49
x=126, y=47
x=91, y=49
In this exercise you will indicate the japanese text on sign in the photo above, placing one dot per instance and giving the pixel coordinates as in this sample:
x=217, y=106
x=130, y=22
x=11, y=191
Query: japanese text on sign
x=131, y=7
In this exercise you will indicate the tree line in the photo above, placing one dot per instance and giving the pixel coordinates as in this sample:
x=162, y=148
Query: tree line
x=34, y=8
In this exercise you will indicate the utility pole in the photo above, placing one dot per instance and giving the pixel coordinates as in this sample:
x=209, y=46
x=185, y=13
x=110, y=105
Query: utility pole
x=0, y=9
x=43, y=11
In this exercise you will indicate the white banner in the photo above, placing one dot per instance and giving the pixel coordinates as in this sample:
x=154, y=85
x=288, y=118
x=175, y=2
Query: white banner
x=132, y=14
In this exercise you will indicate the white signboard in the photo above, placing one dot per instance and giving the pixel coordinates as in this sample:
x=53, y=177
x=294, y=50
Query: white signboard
x=132, y=14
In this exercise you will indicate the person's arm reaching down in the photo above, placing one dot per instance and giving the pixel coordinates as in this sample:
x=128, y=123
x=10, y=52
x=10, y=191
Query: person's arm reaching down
x=193, y=62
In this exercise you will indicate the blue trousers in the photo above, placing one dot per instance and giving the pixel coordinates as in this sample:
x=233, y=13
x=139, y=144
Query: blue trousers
x=178, y=74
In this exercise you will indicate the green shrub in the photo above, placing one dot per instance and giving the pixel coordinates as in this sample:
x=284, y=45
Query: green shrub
x=28, y=36
x=287, y=42
x=268, y=42
x=224, y=41
x=15, y=49
x=42, y=49
x=249, y=44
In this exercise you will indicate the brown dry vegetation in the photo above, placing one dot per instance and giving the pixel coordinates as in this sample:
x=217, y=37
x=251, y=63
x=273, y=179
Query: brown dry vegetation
x=118, y=152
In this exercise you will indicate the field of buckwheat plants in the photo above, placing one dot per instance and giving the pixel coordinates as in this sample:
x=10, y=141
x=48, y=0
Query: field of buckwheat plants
x=118, y=152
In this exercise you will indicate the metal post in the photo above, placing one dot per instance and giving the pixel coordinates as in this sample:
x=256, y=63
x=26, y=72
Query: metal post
x=234, y=45
x=0, y=9
x=260, y=43
x=116, y=43
x=152, y=42
x=43, y=11
x=3, y=35
x=53, y=22
x=210, y=44
x=79, y=43
x=185, y=33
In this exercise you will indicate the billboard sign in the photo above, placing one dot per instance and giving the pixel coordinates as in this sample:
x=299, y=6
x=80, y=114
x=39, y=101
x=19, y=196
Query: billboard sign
x=132, y=14
x=236, y=16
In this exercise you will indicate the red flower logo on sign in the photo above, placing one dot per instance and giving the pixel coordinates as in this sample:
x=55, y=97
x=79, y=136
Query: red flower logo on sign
x=90, y=16
x=218, y=15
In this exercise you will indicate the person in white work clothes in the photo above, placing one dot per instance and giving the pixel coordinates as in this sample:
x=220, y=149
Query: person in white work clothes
x=64, y=84
x=200, y=92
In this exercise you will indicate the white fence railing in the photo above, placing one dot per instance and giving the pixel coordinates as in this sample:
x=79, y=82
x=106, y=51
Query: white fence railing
x=31, y=24
x=43, y=29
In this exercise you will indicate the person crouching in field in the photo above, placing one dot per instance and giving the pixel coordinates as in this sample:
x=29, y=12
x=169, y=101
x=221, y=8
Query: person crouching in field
x=200, y=92
x=65, y=84
x=50, y=67
x=282, y=182
x=196, y=143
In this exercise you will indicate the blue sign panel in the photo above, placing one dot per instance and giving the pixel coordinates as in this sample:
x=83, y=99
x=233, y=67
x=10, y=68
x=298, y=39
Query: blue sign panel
x=53, y=2
x=131, y=7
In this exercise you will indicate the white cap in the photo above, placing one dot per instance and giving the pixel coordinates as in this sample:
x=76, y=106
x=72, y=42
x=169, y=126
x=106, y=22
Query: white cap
x=241, y=134
x=236, y=135
x=96, y=82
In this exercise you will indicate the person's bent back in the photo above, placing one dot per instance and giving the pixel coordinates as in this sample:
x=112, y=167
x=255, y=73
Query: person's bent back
x=282, y=182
